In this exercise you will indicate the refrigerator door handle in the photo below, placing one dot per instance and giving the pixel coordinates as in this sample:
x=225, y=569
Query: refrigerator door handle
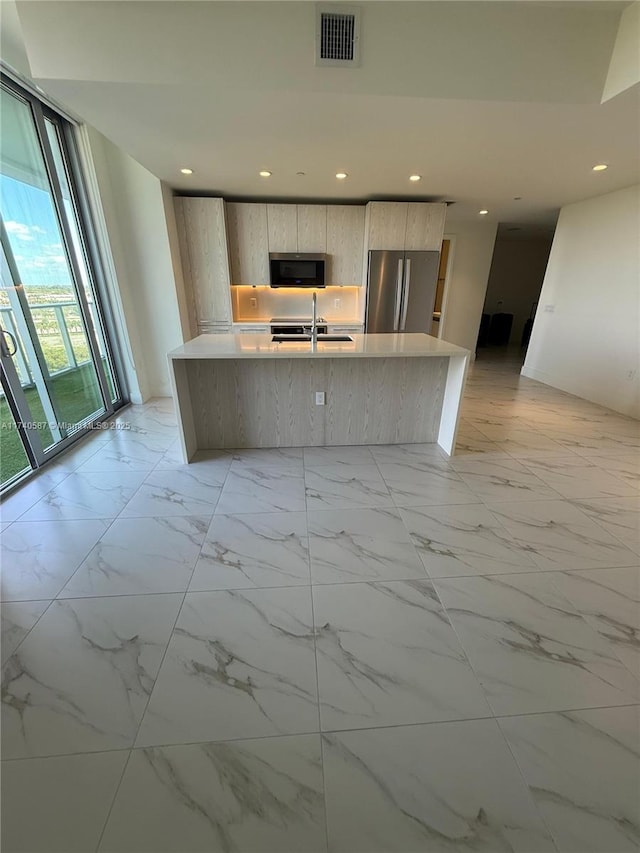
x=405, y=296
x=399, y=289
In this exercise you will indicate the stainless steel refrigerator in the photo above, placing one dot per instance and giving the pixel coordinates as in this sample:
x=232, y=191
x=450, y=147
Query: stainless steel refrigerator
x=401, y=291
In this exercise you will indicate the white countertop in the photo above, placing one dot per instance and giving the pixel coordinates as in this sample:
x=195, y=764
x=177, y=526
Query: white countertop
x=267, y=321
x=362, y=346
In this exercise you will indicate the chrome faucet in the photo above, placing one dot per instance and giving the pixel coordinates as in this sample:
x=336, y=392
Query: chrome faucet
x=314, y=321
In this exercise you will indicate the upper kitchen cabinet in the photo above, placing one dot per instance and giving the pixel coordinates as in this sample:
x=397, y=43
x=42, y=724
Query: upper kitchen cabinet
x=312, y=228
x=345, y=236
x=402, y=225
x=248, y=242
x=205, y=261
x=282, y=227
x=387, y=224
x=297, y=227
x=425, y=226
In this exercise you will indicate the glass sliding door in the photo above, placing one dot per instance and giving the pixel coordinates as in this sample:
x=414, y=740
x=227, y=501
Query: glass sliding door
x=58, y=374
x=55, y=139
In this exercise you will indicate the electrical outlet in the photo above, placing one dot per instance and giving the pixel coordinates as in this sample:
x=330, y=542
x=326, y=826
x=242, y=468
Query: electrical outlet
x=632, y=374
x=336, y=303
x=320, y=398
x=253, y=302
x=550, y=308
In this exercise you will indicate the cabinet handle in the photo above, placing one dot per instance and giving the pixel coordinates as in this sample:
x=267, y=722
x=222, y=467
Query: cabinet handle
x=396, y=310
x=407, y=283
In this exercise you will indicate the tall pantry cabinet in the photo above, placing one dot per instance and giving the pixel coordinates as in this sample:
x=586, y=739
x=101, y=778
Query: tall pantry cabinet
x=202, y=235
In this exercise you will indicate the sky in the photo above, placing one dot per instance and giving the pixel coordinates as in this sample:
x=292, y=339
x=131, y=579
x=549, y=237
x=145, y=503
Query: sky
x=34, y=236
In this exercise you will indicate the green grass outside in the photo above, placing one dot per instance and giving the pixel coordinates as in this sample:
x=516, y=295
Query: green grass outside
x=76, y=395
x=55, y=354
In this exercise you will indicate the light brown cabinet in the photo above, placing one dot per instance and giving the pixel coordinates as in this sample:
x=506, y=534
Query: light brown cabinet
x=345, y=328
x=334, y=229
x=250, y=329
x=205, y=261
x=223, y=244
x=312, y=228
x=399, y=225
x=282, y=227
x=425, y=226
x=248, y=242
x=386, y=224
x=297, y=228
x=345, y=240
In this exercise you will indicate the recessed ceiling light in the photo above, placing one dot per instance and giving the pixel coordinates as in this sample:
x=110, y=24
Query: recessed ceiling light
x=483, y=212
x=265, y=173
x=187, y=171
x=600, y=167
x=415, y=177
x=341, y=175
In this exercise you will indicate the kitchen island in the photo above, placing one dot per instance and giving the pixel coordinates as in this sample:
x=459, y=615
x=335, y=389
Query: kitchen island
x=248, y=391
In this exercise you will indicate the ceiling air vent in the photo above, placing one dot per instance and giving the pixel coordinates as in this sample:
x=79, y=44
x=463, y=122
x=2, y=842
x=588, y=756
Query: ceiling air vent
x=337, y=35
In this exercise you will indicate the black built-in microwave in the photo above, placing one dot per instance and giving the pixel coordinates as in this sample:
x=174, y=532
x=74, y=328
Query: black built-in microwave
x=297, y=270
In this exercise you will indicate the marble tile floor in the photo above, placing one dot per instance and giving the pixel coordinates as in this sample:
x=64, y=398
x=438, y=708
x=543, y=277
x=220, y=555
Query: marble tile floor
x=352, y=650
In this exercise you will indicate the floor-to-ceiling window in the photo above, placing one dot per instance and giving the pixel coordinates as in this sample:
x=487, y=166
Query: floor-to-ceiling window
x=57, y=369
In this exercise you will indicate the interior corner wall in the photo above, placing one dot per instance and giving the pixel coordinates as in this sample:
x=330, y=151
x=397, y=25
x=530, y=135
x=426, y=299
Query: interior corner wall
x=187, y=316
x=464, y=298
x=134, y=213
x=586, y=335
x=515, y=279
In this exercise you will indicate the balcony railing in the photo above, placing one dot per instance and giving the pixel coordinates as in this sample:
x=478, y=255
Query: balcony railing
x=60, y=333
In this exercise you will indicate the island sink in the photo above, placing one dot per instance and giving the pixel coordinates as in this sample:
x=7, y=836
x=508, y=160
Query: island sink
x=322, y=339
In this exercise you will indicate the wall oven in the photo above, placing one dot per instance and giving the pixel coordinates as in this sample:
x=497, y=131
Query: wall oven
x=297, y=270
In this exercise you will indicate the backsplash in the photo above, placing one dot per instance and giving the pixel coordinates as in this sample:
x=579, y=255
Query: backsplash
x=292, y=302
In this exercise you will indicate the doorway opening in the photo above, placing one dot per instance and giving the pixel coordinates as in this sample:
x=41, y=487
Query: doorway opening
x=517, y=272
x=444, y=277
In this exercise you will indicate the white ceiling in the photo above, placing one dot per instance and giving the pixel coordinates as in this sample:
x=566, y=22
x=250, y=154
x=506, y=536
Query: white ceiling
x=486, y=100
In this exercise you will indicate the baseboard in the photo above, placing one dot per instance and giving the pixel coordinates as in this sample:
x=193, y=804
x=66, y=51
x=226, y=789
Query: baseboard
x=541, y=376
x=538, y=375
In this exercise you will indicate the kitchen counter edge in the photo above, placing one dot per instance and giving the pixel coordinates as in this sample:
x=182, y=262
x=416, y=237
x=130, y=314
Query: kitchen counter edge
x=409, y=345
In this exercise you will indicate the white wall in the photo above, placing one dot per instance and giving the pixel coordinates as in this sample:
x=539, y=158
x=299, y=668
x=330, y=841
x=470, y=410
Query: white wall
x=133, y=205
x=624, y=67
x=515, y=280
x=589, y=345
x=12, y=47
x=472, y=252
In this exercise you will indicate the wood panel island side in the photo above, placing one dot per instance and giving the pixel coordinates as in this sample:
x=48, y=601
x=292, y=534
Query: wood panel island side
x=247, y=391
